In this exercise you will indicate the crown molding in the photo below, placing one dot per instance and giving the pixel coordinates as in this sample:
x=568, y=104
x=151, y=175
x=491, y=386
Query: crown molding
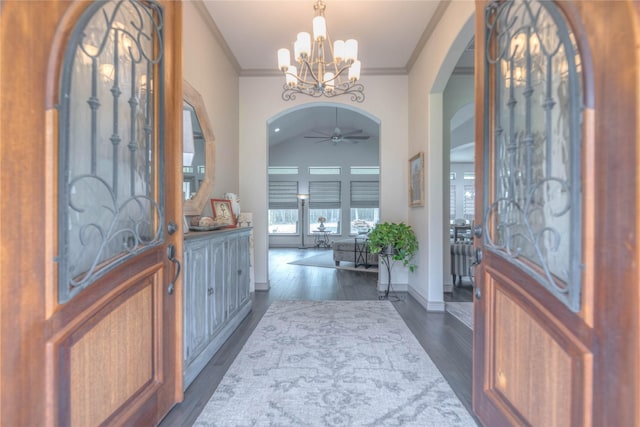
x=215, y=31
x=428, y=31
x=365, y=72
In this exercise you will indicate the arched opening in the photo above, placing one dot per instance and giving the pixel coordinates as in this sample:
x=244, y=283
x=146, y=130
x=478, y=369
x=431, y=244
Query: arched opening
x=329, y=152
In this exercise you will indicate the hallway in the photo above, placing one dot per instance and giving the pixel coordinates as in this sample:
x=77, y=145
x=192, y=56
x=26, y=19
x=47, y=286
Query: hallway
x=447, y=341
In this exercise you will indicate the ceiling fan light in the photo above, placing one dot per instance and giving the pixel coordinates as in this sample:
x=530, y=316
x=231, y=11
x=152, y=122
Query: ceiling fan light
x=338, y=51
x=292, y=76
x=351, y=50
x=354, y=71
x=319, y=28
x=284, y=59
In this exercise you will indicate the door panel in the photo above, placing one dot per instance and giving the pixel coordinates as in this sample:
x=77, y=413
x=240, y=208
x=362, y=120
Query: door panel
x=104, y=350
x=554, y=334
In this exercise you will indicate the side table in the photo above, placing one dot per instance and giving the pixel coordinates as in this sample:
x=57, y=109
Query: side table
x=361, y=251
x=322, y=238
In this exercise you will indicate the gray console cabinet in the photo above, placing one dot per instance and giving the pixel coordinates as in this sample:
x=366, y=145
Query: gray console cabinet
x=216, y=293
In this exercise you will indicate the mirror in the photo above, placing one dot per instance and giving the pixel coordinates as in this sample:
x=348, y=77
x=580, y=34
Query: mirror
x=198, y=152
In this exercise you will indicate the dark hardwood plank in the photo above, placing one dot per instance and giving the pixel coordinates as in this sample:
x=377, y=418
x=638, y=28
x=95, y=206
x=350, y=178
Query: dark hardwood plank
x=447, y=341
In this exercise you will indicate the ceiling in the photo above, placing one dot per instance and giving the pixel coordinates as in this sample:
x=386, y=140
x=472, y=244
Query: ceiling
x=389, y=32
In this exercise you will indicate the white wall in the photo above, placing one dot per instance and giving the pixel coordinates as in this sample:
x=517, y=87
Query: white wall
x=387, y=99
x=427, y=80
x=209, y=71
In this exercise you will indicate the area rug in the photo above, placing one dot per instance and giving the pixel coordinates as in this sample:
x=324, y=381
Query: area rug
x=326, y=260
x=333, y=363
x=463, y=311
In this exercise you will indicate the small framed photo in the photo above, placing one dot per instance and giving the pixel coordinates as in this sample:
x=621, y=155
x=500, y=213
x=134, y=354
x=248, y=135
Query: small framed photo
x=223, y=213
x=416, y=180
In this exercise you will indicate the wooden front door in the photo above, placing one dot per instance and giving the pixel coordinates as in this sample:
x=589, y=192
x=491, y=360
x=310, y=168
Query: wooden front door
x=556, y=296
x=91, y=183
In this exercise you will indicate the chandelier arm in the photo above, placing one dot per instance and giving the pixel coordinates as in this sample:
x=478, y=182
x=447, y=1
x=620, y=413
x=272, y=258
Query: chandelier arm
x=307, y=66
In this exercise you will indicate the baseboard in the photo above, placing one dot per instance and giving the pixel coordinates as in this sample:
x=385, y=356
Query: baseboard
x=435, y=306
x=395, y=287
x=427, y=305
x=419, y=298
x=262, y=286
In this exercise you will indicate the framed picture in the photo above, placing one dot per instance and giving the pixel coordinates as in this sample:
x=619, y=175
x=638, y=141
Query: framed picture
x=222, y=212
x=416, y=180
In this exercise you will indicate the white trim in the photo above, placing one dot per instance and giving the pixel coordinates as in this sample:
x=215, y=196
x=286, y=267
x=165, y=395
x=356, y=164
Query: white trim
x=262, y=286
x=436, y=306
x=418, y=297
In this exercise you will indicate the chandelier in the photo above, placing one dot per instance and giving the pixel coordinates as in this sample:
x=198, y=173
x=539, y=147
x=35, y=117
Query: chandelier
x=324, y=69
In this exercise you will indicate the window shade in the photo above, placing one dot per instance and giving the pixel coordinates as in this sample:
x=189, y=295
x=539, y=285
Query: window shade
x=283, y=195
x=365, y=194
x=324, y=195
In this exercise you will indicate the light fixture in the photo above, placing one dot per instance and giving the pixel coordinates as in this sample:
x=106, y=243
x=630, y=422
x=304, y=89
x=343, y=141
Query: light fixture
x=324, y=68
x=302, y=198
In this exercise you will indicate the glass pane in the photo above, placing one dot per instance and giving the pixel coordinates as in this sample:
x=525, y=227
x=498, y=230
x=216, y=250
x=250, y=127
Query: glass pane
x=283, y=221
x=331, y=220
x=329, y=170
x=364, y=219
x=534, y=202
x=108, y=152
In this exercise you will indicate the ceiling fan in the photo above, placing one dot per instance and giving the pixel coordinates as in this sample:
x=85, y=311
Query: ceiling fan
x=337, y=136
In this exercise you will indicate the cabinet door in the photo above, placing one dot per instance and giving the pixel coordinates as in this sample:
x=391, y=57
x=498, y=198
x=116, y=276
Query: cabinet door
x=232, y=275
x=243, y=269
x=196, y=278
x=215, y=287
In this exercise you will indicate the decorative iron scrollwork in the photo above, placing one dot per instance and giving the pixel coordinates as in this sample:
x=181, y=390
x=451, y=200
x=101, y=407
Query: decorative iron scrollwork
x=110, y=205
x=533, y=215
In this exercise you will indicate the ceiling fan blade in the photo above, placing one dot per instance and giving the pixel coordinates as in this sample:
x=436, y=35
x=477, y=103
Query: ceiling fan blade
x=357, y=137
x=353, y=132
x=321, y=137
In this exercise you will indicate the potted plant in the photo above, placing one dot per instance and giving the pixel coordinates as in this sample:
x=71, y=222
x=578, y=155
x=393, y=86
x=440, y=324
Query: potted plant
x=393, y=242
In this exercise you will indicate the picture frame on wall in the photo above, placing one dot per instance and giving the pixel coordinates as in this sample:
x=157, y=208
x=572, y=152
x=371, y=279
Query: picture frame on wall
x=223, y=212
x=416, y=180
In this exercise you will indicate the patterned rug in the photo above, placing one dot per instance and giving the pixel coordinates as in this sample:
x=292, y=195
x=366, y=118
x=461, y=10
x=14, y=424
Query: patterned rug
x=463, y=311
x=333, y=363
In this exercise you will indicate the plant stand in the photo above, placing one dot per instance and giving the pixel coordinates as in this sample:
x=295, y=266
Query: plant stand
x=387, y=260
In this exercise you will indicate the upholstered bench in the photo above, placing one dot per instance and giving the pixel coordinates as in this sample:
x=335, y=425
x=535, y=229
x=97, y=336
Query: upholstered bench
x=346, y=250
x=462, y=255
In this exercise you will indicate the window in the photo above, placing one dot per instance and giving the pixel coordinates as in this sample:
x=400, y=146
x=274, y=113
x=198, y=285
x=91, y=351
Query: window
x=283, y=207
x=324, y=170
x=365, y=170
x=283, y=170
x=365, y=212
x=452, y=201
x=469, y=202
x=324, y=201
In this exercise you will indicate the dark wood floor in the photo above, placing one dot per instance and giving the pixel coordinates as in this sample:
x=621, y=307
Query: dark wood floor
x=447, y=341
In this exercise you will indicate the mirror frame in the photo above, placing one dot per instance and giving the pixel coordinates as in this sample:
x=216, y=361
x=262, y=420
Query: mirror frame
x=197, y=203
